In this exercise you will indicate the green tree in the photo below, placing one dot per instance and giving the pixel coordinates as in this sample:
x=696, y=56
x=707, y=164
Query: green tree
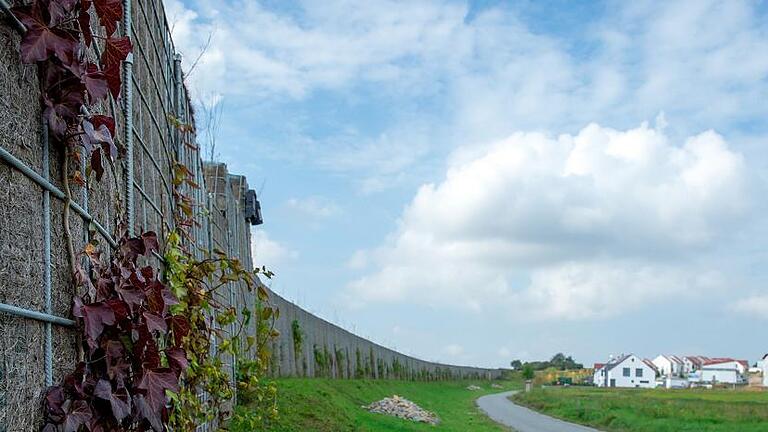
x=528, y=372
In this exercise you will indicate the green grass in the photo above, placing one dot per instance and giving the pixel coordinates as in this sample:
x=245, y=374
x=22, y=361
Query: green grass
x=335, y=405
x=653, y=410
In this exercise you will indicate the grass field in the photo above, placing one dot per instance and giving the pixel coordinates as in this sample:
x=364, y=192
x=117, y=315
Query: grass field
x=655, y=410
x=335, y=405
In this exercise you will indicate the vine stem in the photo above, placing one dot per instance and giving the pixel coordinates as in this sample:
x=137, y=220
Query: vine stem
x=68, y=236
x=67, y=203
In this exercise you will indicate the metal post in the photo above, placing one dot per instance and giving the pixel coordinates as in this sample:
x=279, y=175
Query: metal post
x=47, y=257
x=128, y=115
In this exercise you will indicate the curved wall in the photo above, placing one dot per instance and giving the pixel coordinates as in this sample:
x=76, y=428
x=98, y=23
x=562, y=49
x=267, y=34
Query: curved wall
x=327, y=350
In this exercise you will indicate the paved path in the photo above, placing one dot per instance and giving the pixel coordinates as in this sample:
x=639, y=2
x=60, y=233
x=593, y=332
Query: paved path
x=503, y=411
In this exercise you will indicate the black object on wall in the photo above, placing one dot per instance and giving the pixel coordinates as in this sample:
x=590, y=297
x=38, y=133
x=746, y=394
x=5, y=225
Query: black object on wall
x=252, y=208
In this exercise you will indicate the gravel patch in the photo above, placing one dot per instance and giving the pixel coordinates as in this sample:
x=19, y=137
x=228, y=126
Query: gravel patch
x=402, y=408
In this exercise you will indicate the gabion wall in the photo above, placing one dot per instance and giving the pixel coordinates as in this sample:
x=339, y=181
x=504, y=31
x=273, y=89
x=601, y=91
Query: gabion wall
x=38, y=345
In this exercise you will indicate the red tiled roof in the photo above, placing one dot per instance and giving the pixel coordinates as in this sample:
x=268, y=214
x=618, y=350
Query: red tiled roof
x=725, y=360
x=599, y=365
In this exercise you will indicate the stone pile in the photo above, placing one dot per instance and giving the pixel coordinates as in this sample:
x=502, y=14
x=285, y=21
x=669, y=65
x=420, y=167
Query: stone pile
x=403, y=408
x=497, y=386
x=473, y=387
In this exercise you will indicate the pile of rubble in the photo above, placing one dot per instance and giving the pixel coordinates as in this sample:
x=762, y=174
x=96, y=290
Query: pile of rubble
x=402, y=408
x=496, y=386
x=473, y=387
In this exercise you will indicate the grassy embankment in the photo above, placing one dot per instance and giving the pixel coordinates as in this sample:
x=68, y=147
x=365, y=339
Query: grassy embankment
x=654, y=410
x=335, y=405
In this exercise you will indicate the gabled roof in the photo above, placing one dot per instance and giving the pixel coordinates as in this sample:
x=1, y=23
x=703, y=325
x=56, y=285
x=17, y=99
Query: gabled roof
x=651, y=365
x=697, y=360
x=617, y=362
x=675, y=359
x=599, y=366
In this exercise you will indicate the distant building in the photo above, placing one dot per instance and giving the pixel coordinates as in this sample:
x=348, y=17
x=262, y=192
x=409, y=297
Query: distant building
x=626, y=371
x=692, y=363
x=669, y=365
x=723, y=370
x=598, y=376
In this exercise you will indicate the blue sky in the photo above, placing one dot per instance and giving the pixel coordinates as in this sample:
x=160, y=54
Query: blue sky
x=474, y=182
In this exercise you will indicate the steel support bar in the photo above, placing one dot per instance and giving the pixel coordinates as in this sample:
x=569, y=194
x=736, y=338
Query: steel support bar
x=128, y=116
x=39, y=316
x=47, y=255
x=5, y=7
x=56, y=192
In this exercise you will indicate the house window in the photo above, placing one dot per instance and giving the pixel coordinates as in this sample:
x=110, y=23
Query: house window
x=639, y=372
x=626, y=372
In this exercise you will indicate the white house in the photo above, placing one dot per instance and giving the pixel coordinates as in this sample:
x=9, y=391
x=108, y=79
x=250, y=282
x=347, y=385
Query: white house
x=764, y=363
x=692, y=363
x=723, y=370
x=598, y=376
x=626, y=371
x=669, y=365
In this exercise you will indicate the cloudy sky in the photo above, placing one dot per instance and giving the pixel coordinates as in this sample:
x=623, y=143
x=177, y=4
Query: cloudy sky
x=479, y=181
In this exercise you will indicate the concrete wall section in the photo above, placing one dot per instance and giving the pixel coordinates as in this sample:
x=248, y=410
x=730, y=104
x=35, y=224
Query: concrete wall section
x=327, y=350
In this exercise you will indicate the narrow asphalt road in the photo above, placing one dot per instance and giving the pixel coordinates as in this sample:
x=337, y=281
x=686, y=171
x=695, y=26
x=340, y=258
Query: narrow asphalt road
x=503, y=411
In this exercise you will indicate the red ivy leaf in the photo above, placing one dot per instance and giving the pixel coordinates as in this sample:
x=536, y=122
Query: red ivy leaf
x=40, y=41
x=78, y=414
x=96, y=83
x=115, y=81
x=150, y=241
x=96, y=316
x=155, y=322
x=84, y=19
x=119, y=308
x=54, y=399
x=155, y=382
x=145, y=411
x=115, y=51
x=177, y=359
x=131, y=248
x=110, y=13
x=119, y=401
x=98, y=137
x=180, y=327
x=134, y=297
x=99, y=120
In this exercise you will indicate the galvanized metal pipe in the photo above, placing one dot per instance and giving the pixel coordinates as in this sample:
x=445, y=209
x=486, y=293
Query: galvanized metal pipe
x=128, y=116
x=39, y=316
x=5, y=7
x=47, y=255
x=56, y=192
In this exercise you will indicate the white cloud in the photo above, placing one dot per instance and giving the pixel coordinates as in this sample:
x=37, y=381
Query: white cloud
x=755, y=306
x=268, y=252
x=573, y=227
x=495, y=74
x=315, y=207
x=453, y=350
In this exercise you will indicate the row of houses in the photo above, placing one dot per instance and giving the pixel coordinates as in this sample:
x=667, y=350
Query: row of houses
x=670, y=371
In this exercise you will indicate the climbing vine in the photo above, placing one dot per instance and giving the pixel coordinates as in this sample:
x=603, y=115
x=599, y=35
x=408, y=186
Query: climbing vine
x=218, y=331
x=145, y=343
x=132, y=354
x=57, y=35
